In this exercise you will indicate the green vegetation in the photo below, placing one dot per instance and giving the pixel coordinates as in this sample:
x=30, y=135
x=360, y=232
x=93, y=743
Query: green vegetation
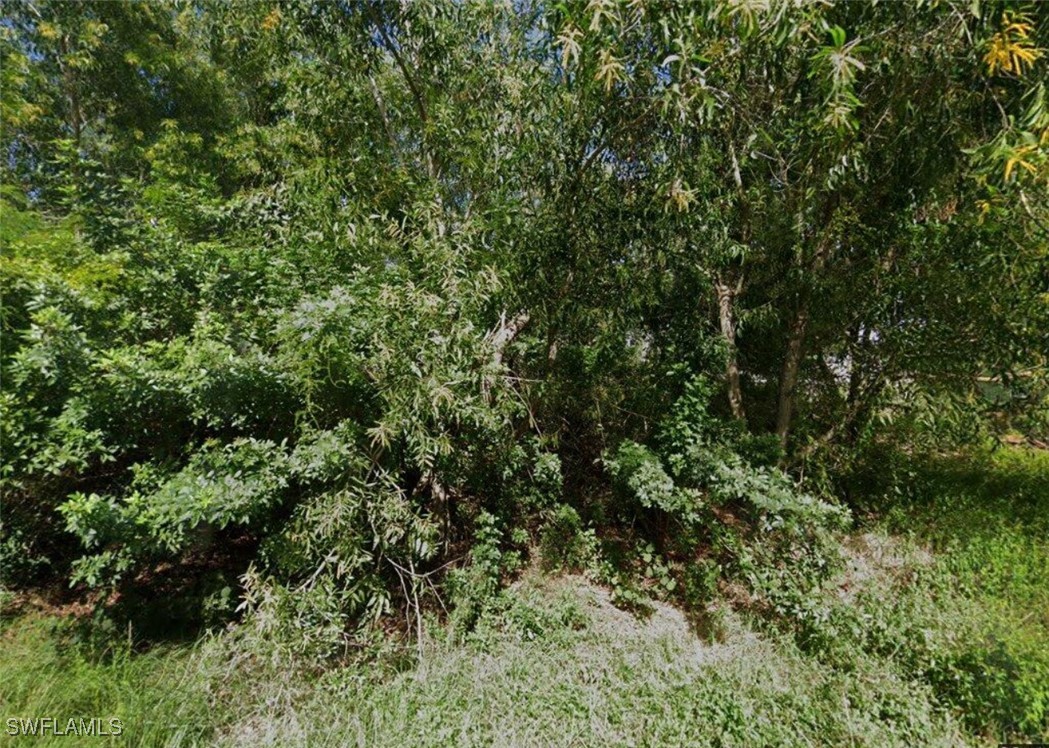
x=990, y=519
x=394, y=361
x=921, y=640
x=50, y=670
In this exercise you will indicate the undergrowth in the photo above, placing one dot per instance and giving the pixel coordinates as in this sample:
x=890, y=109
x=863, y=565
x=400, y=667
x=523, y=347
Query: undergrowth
x=931, y=631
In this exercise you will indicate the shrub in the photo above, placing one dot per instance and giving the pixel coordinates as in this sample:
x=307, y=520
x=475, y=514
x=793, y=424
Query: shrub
x=235, y=484
x=565, y=544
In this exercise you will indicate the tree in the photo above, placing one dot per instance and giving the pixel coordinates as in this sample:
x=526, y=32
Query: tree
x=356, y=286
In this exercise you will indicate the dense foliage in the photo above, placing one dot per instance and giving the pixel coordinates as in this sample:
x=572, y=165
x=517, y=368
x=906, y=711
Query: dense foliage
x=351, y=306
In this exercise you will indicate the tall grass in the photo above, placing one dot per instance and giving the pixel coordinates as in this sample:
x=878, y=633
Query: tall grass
x=49, y=669
x=561, y=666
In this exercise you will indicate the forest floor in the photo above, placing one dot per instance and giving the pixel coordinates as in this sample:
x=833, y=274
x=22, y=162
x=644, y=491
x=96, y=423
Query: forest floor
x=935, y=632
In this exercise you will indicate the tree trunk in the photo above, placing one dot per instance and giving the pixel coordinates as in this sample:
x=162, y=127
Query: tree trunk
x=726, y=316
x=858, y=340
x=507, y=330
x=499, y=338
x=788, y=379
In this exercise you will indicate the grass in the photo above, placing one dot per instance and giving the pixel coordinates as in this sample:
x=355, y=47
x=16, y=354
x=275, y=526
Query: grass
x=610, y=679
x=987, y=521
x=588, y=674
x=935, y=634
x=48, y=669
x=988, y=518
x=591, y=674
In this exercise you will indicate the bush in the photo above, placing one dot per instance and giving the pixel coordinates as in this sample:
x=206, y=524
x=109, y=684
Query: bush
x=236, y=484
x=751, y=518
x=565, y=544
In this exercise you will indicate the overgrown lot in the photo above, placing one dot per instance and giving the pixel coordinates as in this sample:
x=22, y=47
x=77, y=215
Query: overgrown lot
x=367, y=364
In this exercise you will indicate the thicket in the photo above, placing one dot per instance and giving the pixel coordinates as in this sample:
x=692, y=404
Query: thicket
x=333, y=314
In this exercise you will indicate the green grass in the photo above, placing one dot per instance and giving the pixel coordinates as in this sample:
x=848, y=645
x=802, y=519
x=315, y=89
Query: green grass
x=986, y=518
x=935, y=634
x=47, y=669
